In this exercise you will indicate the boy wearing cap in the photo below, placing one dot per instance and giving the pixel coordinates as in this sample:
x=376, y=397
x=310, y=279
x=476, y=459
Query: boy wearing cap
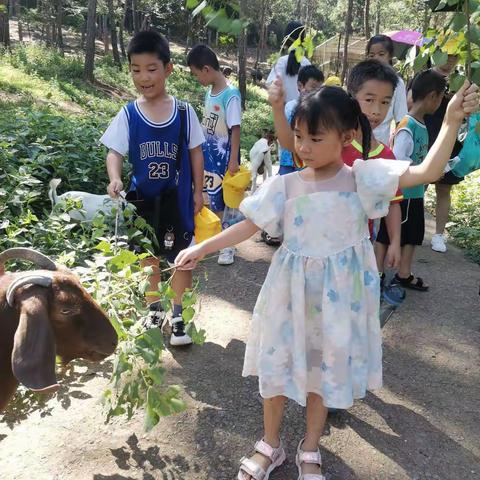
x=221, y=126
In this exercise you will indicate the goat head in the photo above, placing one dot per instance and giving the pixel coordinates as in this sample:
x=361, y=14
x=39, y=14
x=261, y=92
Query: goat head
x=44, y=313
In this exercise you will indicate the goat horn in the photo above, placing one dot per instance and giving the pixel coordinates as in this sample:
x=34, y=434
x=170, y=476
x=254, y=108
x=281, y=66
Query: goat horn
x=28, y=279
x=33, y=256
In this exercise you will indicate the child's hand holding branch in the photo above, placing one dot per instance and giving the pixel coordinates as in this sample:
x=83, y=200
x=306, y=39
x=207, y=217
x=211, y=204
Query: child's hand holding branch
x=464, y=102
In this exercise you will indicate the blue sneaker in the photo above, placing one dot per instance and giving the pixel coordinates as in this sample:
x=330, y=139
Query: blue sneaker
x=393, y=294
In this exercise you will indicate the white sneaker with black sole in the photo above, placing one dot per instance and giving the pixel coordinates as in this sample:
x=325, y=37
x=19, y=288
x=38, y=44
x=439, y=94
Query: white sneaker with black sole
x=226, y=256
x=179, y=336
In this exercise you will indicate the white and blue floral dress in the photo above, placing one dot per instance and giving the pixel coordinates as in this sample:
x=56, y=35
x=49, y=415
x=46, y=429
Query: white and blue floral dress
x=315, y=326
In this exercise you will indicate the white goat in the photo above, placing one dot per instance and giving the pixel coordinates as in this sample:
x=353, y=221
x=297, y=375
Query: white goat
x=260, y=160
x=91, y=203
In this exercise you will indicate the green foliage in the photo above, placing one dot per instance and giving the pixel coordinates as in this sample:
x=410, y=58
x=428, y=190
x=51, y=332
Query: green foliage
x=465, y=215
x=458, y=37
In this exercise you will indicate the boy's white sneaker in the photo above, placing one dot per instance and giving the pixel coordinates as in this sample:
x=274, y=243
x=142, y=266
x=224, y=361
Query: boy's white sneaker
x=226, y=256
x=179, y=336
x=438, y=243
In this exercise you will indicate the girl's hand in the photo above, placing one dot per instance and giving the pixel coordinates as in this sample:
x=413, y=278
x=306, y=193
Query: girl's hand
x=114, y=188
x=187, y=259
x=464, y=102
x=276, y=94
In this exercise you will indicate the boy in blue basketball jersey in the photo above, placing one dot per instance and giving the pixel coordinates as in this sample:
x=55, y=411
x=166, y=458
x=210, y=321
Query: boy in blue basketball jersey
x=162, y=138
x=221, y=126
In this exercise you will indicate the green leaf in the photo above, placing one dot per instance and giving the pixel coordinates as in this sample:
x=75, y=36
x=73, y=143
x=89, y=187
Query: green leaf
x=123, y=259
x=476, y=75
x=104, y=247
x=439, y=58
x=157, y=374
x=456, y=81
x=148, y=355
x=151, y=416
x=187, y=314
x=154, y=338
x=459, y=21
x=420, y=61
x=198, y=336
x=299, y=54
x=191, y=4
x=177, y=405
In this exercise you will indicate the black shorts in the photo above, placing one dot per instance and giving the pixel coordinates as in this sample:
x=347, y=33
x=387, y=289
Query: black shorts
x=413, y=223
x=450, y=179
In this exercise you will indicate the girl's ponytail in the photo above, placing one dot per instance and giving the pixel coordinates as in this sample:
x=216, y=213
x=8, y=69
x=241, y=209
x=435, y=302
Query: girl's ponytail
x=366, y=135
x=293, y=31
x=292, y=65
x=365, y=127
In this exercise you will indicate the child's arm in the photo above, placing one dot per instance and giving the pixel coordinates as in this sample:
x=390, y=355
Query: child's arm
x=431, y=169
x=276, y=97
x=393, y=222
x=114, y=169
x=187, y=259
x=233, y=163
x=196, y=160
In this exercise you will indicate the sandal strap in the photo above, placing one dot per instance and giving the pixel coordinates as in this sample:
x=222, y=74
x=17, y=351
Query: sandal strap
x=251, y=468
x=268, y=451
x=310, y=457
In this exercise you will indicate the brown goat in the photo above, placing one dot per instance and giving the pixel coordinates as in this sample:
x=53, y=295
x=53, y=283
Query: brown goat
x=44, y=313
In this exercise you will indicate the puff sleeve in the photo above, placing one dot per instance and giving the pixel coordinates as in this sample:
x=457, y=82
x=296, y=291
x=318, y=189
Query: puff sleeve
x=377, y=183
x=265, y=208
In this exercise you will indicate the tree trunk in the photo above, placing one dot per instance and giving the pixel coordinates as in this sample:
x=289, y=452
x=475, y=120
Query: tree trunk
x=90, y=41
x=262, y=27
x=121, y=30
x=366, y=19
x=146, y=23
x=136, y=27
x=59, y=25
x=4, y=27
x=18, y=14
x=348, y=27
x=242, y=59
x=113, y=33
x=377, y=18
x=105, y=34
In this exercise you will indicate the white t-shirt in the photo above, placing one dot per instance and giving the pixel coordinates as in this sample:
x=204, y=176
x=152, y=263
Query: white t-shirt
x=116, y=137
x=398, y=109
x=234, y=112
x=289, y=82
x=403, y=146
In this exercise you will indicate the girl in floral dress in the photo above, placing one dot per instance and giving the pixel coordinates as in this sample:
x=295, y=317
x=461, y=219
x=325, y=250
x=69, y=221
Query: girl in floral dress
x=315, y=332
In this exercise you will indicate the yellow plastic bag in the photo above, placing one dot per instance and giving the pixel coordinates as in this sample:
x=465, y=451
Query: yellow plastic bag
x=234, y=186
x=207, y=224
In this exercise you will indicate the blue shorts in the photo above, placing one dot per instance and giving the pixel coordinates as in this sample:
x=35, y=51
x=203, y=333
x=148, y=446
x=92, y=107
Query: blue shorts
x=213, y=186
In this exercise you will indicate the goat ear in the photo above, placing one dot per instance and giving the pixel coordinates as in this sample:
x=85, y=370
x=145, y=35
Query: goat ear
x=33, y=355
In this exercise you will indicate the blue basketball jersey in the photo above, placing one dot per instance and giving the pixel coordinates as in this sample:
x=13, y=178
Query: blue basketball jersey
x=152, y=152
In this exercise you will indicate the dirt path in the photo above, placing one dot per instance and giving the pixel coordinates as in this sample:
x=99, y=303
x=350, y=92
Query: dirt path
x=422, y=425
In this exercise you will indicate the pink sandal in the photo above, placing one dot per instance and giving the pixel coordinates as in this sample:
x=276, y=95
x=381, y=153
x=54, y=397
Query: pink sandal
x=308, y=457
x=249, y=467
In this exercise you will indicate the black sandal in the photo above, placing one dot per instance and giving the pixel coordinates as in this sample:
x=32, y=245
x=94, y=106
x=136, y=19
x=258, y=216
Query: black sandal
x=412, y=282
